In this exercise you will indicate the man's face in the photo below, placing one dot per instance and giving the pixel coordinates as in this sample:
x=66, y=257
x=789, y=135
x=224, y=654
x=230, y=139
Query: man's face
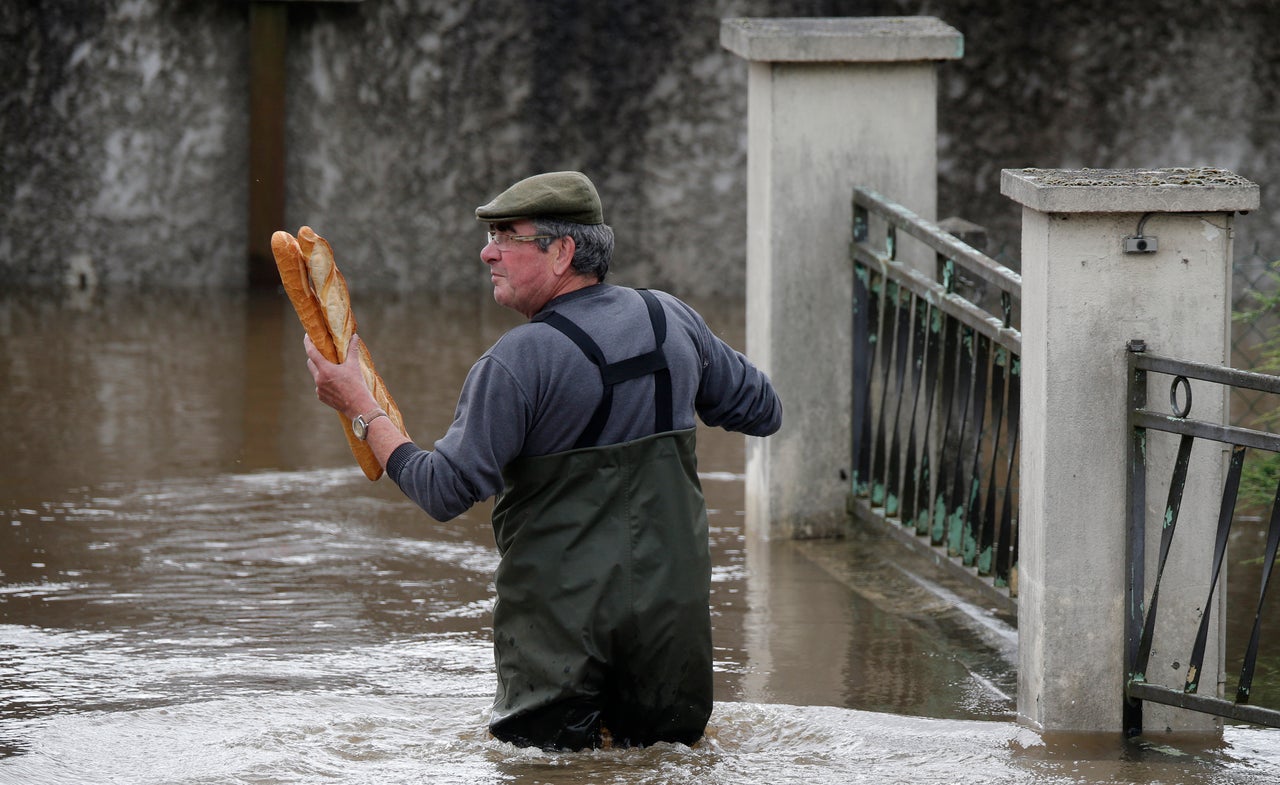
x=522, y=275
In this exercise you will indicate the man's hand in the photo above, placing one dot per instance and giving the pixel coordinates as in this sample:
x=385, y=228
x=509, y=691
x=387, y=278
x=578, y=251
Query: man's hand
x=341, y=386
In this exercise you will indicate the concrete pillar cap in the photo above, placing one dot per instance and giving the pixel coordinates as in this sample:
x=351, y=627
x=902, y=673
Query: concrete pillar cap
x=1176, y=190
x=842, y=39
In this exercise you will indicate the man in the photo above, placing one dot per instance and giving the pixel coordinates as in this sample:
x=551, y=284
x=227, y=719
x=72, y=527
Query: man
x=581, y=422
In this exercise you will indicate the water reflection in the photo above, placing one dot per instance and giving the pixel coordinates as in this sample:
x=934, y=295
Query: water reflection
x=200, y=586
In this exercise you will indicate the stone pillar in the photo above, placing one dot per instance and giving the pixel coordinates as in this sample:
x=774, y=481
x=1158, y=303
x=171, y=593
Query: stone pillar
x=832, y=103
x=1083, y=299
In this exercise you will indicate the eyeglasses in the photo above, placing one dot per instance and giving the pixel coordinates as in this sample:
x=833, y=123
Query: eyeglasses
x=506, y=241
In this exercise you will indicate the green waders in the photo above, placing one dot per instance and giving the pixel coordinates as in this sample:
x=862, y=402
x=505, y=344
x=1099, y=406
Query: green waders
x=602, y=619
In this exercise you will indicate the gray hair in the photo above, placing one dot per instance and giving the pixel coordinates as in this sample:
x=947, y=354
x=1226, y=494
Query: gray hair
x=593, y=244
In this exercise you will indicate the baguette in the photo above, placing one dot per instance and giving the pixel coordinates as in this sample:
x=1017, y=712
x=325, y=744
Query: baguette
x=297, y=284
x=319, y=294
x=331, y=287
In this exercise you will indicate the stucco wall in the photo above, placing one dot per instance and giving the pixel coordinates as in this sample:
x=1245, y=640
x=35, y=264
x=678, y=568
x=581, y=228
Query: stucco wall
x=123, y=124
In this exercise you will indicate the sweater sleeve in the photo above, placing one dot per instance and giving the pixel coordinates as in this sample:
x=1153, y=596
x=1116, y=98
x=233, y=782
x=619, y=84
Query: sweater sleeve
x=732, y=393
x=465, y=466
x=736, y=395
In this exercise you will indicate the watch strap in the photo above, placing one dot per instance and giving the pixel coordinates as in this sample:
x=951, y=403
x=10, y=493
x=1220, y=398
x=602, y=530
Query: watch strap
x=362, y=422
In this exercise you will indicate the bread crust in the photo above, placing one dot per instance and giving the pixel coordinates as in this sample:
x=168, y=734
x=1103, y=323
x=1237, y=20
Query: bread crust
x=319, y=294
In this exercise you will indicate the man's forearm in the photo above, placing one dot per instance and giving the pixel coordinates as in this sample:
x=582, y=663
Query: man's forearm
x=384, y=437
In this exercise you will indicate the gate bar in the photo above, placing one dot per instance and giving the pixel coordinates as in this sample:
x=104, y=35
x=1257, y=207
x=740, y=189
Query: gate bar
x=1169, y=696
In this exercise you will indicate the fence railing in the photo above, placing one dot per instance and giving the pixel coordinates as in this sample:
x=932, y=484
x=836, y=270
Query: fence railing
x=936, y=393
x=1140, y=619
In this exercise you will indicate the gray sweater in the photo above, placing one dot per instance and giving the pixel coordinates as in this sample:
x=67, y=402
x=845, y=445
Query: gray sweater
x=534, y=391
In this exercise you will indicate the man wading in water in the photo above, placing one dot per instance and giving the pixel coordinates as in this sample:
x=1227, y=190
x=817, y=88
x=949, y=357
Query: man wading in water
x=582, y=423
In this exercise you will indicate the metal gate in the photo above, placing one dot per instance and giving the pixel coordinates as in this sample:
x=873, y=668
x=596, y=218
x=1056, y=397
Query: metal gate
x=1140, y=619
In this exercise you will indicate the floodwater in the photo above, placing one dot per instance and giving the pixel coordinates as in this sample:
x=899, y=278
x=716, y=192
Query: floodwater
x=198, y=586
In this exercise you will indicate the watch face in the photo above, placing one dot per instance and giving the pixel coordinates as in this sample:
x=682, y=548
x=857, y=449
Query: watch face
x=358, y=427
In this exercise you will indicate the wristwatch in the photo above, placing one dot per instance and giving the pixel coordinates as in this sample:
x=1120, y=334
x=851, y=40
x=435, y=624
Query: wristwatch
x=360, y=425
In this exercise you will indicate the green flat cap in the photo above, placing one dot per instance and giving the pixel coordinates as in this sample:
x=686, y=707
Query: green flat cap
x=566, y=196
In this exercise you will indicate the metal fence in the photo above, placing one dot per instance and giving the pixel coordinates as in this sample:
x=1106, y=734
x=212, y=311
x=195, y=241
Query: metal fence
x=936, y=393
x=1141, y=612
x=935, y=399
x=936, y=390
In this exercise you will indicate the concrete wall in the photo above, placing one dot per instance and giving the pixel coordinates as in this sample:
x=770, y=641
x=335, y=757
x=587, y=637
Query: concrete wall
x=125, y=135
x=123, y=139
x=123, y=124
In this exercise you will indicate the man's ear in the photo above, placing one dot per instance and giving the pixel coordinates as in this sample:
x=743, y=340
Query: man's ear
x=564, y=255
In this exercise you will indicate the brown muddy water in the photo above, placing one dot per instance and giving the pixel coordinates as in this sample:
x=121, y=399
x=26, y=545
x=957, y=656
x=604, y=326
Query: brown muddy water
x=197, y=585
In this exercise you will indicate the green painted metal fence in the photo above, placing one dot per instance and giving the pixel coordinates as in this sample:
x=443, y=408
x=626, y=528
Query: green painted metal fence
x=936, y=394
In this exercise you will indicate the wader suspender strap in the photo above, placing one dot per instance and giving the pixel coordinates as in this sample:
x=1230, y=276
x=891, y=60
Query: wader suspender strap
x=654, y=362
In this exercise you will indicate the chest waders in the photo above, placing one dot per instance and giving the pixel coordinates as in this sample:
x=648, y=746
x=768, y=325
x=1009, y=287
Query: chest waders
x=603, y=588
